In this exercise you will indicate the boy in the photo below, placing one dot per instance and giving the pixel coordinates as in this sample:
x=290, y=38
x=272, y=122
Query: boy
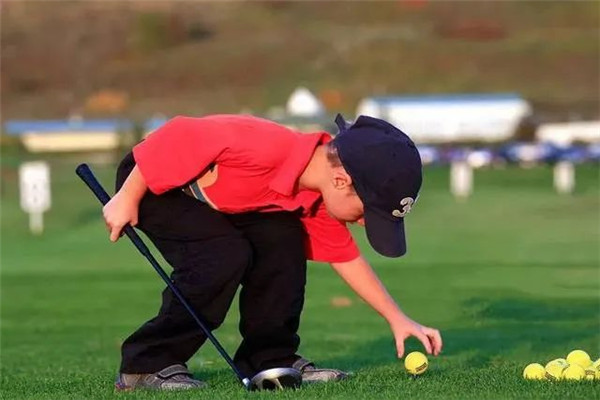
x=233, y=200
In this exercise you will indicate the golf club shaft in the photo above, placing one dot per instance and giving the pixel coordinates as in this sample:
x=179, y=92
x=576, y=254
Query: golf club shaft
x=86, y=174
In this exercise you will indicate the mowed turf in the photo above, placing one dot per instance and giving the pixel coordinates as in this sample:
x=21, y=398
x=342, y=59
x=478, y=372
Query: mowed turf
x=511, y=276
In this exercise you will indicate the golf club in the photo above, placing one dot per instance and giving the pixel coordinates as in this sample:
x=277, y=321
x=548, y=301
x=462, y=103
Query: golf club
x=273, y=378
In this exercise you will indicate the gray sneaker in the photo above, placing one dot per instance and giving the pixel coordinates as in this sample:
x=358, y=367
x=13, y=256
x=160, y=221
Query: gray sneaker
x=174, y=377
x=312, y=374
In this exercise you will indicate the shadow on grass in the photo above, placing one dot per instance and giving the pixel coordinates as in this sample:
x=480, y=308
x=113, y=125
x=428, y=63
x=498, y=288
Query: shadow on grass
x=492, y=329
x=532, y=310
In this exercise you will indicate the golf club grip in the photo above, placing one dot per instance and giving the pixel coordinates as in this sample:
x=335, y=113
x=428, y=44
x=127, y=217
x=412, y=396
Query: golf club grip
x=86, y=175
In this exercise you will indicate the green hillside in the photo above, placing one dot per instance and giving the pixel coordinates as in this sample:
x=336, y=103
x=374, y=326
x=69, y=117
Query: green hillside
x=202, y=57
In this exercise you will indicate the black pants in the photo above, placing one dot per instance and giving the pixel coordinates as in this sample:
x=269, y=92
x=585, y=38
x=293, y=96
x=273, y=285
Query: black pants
x=212, y=254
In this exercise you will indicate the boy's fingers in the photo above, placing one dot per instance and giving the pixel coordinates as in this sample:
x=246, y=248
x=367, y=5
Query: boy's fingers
x=425, y=340
x=400, y=348
x=437, y=341
x=115, y=234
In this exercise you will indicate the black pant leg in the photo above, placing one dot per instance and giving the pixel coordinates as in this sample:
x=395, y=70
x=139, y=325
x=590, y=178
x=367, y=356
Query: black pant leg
x=272, y=295
x=209, y=257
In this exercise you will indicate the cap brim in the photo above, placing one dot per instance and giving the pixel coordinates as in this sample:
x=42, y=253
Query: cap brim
x=386, y=236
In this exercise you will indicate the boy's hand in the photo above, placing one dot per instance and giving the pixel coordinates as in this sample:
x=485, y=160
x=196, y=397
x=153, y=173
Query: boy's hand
x=118, y=212
x=404, y=328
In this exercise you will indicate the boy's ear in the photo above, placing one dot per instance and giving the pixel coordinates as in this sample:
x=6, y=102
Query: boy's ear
x=341, y=179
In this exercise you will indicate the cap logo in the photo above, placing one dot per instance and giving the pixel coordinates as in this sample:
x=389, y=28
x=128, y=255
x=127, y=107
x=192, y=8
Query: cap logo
x=407, y=203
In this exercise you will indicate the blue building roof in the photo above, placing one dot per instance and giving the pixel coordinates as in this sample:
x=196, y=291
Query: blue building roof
x=18, y=127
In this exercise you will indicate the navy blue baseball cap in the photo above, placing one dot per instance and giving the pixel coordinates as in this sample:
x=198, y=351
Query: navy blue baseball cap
x=386, y=172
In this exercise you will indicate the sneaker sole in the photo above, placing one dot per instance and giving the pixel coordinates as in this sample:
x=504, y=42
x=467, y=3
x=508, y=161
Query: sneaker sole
x=121, y=387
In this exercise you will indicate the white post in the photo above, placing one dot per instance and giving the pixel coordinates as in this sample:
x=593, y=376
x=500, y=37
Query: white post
x=36, y=222
x=461, y=179
x=564, y=177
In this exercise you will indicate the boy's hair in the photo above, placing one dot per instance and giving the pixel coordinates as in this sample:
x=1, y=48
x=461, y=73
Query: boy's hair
x=334, y=158
x=332, y=155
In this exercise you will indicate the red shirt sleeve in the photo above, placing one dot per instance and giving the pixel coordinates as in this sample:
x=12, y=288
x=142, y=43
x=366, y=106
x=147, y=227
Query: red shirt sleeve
x=328, y=239
x=179, y=151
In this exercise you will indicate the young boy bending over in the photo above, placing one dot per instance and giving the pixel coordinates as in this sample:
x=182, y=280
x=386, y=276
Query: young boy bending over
x=232, y=200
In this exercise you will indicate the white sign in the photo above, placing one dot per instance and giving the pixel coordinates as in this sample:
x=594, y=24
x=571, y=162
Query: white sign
x=34, y=184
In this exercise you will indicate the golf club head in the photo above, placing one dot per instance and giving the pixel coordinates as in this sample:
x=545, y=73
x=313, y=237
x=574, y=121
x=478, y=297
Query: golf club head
x=276, y=379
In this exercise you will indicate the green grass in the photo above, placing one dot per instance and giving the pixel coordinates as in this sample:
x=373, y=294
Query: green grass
x=511, y=276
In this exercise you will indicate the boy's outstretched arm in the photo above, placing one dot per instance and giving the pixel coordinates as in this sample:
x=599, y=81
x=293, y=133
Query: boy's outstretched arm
x=359, y=275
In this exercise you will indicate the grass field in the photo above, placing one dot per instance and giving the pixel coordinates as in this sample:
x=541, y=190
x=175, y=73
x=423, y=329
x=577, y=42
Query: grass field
x=511, y=276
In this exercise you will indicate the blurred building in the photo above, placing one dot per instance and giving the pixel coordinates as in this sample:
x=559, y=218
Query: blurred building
x=451, y=118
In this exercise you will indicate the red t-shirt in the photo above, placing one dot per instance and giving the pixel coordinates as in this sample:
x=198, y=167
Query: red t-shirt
x=239, y=163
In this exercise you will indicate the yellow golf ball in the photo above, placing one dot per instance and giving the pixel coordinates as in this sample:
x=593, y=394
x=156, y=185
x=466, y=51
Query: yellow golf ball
x=579, y=357
x=416, y=363
x=554, y=371
x=560, y=361
x=534, y=371
x=592, y=373
x=574, y=372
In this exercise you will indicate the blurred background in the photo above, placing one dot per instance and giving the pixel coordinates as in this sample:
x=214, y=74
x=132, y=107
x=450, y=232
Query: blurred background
x=502, y=99
x=140, y=58
x=92, y=75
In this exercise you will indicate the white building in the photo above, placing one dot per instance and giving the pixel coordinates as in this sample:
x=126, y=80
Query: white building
x=452, y=118
x=302, y=103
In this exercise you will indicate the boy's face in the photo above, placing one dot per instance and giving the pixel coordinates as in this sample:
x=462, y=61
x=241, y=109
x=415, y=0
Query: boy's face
x=341, y=201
